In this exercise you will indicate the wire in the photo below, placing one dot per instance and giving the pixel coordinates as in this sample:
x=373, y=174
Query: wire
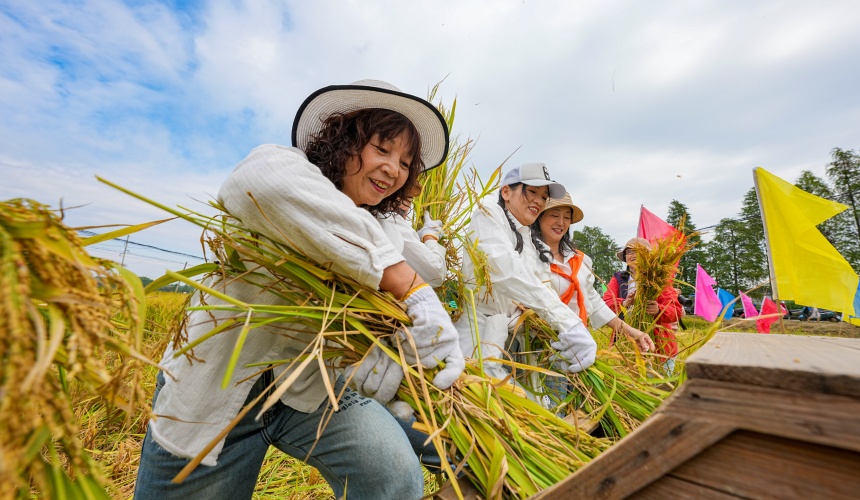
x=143, y=245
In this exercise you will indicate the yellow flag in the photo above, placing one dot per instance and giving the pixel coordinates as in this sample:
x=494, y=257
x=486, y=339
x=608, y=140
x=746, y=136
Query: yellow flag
x=806, y=267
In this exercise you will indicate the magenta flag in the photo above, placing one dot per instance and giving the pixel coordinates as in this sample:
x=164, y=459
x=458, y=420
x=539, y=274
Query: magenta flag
x=768, y=308
x=749, y=308
x=707, y=304
x=651, y=227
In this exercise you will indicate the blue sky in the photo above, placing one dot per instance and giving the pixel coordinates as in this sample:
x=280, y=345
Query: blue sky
x=628, y=103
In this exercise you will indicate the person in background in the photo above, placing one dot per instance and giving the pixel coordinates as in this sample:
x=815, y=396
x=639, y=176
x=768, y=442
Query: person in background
x=502, y=234
x=357, y=148
x=569, y=272
x=815, y=314
x=421, y=249
x=621, y=291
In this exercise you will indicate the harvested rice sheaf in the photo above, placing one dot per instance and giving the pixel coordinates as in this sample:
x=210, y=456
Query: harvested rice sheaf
x=55, y=329
x=509, y=446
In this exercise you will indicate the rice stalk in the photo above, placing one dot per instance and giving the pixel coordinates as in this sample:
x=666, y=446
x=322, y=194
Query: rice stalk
x=612, y=393
x=450, y=195
x=513, y=447
x=655, y=270
x=57, y=332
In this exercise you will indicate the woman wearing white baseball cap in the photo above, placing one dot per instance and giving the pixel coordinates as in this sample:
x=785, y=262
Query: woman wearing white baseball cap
x=360, y=148
x=500, y=231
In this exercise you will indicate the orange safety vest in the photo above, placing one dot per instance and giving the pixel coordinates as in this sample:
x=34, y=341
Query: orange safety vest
x=574, y=262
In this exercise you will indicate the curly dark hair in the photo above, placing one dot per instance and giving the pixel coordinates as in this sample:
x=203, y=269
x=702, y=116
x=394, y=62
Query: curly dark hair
x=344, y=135
x=565, y=245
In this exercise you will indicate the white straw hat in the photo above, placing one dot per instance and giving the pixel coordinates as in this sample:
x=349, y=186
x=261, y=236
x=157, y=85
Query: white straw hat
x=369, y=94
x=534, y=174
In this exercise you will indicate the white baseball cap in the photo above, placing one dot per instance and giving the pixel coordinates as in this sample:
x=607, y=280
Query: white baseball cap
x=534, y=174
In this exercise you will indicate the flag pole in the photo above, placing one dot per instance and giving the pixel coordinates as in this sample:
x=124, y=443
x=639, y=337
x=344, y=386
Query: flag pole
x=771, y=274
x=766, y=238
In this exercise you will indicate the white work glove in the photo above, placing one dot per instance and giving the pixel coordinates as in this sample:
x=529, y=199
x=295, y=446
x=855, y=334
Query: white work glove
x=576, y=348
x=434, y=336
x=377, y=376
x=431, y=227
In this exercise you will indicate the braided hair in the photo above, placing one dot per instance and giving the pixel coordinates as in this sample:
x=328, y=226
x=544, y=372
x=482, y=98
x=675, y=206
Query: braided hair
x=519, y=245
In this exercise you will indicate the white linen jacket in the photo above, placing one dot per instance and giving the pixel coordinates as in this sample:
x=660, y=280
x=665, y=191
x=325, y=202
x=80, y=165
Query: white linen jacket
x=514, y=277
x=292, y=203
x=426, y=258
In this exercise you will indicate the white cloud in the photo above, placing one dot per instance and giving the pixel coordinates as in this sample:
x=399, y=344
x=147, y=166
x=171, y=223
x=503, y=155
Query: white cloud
x=618, y=97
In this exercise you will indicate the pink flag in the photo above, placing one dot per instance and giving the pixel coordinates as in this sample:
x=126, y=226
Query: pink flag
x=707, y=304
x=651, y=227
x=768, y=307
x=749, y=308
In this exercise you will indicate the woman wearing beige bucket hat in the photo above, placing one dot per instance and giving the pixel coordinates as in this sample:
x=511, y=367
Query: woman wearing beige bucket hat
x=500, y=231
x=621, y=290
x=359, y=148
x=569, y=271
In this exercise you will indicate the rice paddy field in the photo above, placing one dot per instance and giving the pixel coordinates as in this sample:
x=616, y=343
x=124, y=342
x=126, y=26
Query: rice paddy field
x=115, y=444
x=78, y=350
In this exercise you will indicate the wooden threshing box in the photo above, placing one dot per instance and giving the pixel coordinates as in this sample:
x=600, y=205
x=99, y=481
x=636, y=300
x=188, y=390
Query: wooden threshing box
x=761, y=416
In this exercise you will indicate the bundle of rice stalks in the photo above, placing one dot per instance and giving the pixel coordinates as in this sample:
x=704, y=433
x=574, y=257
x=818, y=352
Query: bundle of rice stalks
x=450, y=195
x=56, y=331
x=655, y=270
x=511, y=446
x=608, y=393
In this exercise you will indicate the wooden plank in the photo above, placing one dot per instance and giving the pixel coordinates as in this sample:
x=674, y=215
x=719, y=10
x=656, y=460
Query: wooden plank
x=672, y=487
x=844, y=342
x=817, y=418
x=447, y=491
x=753, y=465
x=656, y=447
x=783, y=361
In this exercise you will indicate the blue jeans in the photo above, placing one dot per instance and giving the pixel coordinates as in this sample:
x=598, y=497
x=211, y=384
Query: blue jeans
x=362, y=453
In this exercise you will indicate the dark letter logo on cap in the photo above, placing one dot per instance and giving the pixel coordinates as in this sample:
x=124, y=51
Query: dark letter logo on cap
x=545, y=173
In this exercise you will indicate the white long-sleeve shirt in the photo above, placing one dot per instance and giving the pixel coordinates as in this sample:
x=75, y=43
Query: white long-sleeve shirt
x=295, y=204
x=426, y=258
x=598, y=312
x=513, y=275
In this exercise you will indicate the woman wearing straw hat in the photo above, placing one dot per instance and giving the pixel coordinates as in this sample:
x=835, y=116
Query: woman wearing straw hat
x=501, y=232
x=357, y=149
x=421, y=248
x=666, y=309
x=569, y=272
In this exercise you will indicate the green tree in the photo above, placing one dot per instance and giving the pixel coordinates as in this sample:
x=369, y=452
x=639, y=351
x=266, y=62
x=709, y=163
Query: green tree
x=752, y=251
x=723, y=255
x=832, y=229
x=678, y=214
x=844, y=173
x=601, y=248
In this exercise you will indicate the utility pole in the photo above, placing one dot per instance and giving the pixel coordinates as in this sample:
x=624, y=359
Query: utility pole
x=176, y=288
x=124, y=250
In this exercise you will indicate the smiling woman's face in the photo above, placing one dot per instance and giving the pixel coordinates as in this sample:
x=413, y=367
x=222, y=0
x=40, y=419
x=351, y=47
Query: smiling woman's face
x=525, y=202
x=378, y=171
x=554, y=223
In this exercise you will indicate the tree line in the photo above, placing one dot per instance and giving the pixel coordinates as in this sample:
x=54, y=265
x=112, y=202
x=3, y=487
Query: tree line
x=735, y=257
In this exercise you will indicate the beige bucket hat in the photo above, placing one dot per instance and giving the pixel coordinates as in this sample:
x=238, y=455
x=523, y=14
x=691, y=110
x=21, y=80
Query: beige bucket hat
x=565, y=201
x=630, y=244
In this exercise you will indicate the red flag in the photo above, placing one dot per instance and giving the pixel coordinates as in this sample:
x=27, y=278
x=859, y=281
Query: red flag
x=653, y=228
x=768, y=308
